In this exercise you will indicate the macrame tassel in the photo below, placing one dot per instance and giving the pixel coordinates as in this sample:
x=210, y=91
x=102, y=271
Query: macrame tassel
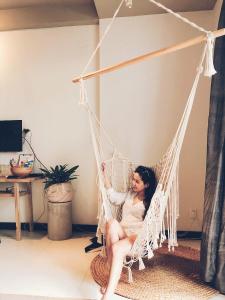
x=130, y=276
x=155, y=245
x=150, y=254
x=141, y=264
x=209, y=66
x=162, y=238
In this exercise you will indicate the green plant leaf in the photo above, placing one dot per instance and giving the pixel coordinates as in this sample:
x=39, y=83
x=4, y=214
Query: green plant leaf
x=59, y=174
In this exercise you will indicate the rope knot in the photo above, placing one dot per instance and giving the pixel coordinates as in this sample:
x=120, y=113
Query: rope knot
x=209, y=66
x=129, y=3
x=83, y=95
x=200, y=69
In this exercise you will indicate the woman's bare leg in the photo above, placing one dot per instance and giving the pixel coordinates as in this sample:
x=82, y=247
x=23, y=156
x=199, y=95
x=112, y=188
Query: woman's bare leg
x=114, y=233
x=119, y=250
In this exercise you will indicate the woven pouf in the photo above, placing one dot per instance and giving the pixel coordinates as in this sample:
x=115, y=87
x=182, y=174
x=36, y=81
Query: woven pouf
x=173, y=275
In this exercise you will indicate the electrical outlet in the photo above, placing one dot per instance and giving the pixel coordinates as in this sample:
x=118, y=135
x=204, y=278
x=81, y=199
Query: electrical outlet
x=193, y=214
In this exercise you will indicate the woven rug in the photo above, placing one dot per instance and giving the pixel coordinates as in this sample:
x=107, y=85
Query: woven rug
x=168, y=275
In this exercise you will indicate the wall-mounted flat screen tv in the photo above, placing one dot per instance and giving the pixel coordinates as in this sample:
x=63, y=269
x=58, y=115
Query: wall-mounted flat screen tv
x=11, y=136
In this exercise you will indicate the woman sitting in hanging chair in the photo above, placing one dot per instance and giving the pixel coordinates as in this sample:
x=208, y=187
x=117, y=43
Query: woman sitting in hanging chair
x=120, y=236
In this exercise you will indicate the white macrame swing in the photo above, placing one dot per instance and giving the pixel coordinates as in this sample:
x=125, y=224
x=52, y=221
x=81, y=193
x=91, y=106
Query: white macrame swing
x=163, y=210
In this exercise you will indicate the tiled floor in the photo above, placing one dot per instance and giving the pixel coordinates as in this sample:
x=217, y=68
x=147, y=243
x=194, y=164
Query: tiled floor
x=38, y=266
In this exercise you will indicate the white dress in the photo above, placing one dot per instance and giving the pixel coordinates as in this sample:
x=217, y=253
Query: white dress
x=132, y=214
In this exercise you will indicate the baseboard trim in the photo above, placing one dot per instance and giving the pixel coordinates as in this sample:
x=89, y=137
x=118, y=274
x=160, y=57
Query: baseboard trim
x=44, y=227
x=89, y=228
x=197, y=235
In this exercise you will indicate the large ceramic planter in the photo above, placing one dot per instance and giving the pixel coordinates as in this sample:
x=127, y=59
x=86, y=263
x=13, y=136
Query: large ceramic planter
x=60, y=211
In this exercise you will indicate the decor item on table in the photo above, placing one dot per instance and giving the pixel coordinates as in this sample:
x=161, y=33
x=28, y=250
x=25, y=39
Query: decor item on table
x=21, y=168
x=21, y=171
x=59, y=192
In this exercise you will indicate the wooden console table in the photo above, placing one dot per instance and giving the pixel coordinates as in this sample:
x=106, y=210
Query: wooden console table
x=16, y=195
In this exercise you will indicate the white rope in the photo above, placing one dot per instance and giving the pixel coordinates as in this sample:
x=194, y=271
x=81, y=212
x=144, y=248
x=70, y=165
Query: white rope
x=153, y=224
x=102, y=38
x=91, y=114
x=209, y=67
x=166, y=195
x=179, y=16
x=184, y=120
x=84, y=102
x=108, y=214
x=180, y=137
x=129, y=4
x=171, y=185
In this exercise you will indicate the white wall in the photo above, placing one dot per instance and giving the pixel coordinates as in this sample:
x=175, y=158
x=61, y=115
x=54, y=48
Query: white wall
x=140, y=105
x=36, y=71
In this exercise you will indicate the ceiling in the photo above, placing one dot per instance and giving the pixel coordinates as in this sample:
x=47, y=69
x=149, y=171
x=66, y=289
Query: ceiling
x=25, y=14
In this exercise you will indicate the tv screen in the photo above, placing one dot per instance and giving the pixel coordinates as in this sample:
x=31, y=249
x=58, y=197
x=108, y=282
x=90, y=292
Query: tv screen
x=11, y=136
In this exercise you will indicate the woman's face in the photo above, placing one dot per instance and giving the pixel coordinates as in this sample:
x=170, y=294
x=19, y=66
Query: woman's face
x=137, y=183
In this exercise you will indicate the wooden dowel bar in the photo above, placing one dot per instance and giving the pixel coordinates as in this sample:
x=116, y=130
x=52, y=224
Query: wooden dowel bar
x=160, y=52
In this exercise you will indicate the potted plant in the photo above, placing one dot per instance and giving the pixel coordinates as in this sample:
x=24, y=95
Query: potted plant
x=58, y=182
x=59, y=192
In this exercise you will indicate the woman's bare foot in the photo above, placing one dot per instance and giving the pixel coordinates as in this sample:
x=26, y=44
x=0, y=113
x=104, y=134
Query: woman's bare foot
x=102, y=290
x=106, y=297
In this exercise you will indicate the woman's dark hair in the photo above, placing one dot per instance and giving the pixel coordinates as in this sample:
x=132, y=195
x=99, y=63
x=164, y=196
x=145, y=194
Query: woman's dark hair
x=148, y=177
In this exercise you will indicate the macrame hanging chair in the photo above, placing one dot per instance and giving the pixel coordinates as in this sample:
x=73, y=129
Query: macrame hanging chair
x=163, y=211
